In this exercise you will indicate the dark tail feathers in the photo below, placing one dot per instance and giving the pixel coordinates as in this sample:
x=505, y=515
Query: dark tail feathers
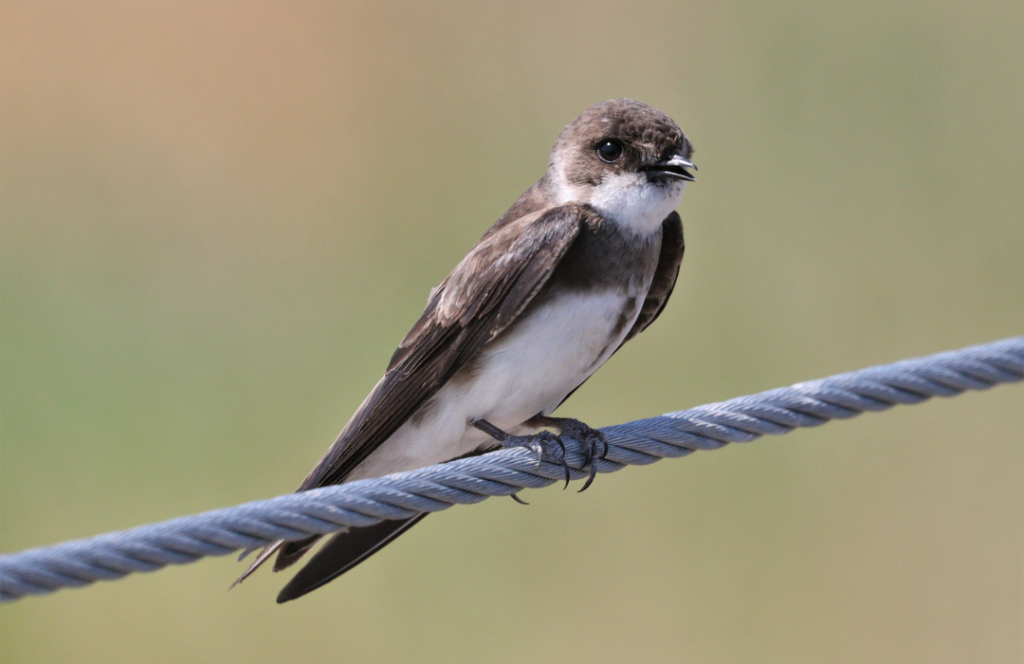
x=341, y=553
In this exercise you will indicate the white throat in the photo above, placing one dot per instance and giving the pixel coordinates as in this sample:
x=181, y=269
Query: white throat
x=626, y=199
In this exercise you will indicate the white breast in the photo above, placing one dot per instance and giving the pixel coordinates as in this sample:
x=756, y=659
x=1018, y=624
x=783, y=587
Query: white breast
x=527, y=371
x=633, y=203
x=627, y=199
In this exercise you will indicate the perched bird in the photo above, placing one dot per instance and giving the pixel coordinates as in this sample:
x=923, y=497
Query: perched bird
x=584, y=261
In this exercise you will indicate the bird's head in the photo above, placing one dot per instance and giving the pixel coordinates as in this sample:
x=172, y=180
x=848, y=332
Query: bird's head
x=627, y=160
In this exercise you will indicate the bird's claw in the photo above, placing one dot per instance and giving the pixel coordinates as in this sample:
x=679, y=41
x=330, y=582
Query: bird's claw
x=546, y=445
x=515, y=497
x=592, y=440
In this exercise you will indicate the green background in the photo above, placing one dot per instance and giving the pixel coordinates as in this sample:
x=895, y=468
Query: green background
x=218, y=219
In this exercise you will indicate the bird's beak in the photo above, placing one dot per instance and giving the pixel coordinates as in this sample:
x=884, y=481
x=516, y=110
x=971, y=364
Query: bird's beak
x=673, y=167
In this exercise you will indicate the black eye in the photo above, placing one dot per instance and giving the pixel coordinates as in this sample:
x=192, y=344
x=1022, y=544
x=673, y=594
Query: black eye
x=609, y=151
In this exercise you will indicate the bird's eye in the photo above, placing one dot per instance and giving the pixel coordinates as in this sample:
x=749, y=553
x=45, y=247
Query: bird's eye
x=609, y=151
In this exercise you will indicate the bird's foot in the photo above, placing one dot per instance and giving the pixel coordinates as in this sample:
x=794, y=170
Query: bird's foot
x=592, y=440
x=546, y=445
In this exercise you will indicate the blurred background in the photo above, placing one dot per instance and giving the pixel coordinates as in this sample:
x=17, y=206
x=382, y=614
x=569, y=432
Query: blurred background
x=218, y=220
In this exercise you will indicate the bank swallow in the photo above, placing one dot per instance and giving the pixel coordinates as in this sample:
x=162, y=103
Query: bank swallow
x=584, y=261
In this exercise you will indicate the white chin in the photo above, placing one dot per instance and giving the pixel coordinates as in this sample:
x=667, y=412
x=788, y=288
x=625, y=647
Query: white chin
x=635, y=204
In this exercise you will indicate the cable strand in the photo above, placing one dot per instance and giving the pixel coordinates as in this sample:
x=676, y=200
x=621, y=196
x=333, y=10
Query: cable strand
x=466, y=481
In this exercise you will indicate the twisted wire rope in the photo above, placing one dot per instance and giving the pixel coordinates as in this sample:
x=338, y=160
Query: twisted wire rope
x=363, y=503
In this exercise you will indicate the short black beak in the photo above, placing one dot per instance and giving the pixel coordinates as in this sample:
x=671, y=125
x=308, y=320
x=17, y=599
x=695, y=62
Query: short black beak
x=672, y=168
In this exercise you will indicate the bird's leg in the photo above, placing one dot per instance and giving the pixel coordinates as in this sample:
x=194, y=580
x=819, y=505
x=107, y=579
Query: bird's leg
x=547, y=445
x=592, y=439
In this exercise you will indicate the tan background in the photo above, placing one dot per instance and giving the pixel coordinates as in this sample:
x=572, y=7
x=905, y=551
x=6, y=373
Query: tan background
x=219, y=219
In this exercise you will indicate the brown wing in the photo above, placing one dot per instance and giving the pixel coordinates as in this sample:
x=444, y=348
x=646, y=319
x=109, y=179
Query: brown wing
x=478, y=300
x=475, y=303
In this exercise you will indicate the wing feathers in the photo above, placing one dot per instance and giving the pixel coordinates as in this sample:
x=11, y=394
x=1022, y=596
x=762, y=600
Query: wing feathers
x=482, y=296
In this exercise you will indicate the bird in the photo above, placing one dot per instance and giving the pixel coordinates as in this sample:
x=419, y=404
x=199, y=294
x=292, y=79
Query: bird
x=581, y=263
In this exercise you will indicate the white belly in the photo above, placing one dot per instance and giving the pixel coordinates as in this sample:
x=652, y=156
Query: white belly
x=527, y=371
